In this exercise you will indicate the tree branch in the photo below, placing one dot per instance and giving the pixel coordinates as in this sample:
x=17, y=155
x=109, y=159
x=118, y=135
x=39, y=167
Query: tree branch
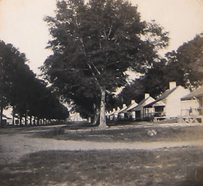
x=89, y=63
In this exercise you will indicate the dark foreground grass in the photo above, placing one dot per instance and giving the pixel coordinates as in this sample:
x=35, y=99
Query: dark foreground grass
x=127, y=134
x=164, y=167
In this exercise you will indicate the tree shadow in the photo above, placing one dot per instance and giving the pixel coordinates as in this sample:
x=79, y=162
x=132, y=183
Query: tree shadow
x=193, y=178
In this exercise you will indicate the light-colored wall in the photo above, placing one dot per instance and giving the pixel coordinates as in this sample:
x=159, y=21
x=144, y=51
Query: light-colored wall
x=190, y=107
x=173, y=102
x=148, y=112
x=143, y=114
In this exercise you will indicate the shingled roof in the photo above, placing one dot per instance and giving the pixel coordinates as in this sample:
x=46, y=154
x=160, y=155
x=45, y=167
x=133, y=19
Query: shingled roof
x=196, y=93
x=163, y=96
x=142, y=104
x=132, y=105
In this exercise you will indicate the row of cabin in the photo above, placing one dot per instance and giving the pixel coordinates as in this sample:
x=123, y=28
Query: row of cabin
x=175, y=102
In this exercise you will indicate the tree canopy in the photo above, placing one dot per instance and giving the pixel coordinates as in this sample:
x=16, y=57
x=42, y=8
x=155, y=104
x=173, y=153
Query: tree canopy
x=185, y=66
x=21, y=90
x=94, y=44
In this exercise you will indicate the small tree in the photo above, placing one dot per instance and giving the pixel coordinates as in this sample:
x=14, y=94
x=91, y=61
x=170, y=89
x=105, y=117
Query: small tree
x=94, y=44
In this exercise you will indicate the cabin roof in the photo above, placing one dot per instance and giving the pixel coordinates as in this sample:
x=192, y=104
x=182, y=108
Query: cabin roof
x=196, y=93
x=131, y=106
x=140, y=105
x=163, y=96
x=123, y=110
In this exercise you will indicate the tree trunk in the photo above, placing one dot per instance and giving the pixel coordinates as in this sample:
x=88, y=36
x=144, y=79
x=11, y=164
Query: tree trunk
x=21, y=120
x=102, y=123
x=13, y=120
x=34, y=120
x=26, y=114
x=1, y=120
x=26, y=123
x=95, y=119
x=30, y=120
x=37, y=121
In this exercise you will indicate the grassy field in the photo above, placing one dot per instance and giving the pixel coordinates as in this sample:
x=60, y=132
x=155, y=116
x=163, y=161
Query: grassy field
x=178, y=166
x=182, y=166
x=125, y=134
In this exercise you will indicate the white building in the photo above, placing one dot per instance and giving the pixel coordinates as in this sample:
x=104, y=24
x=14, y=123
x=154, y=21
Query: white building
x=192, y=105
x=139, y=111
x=168, y=105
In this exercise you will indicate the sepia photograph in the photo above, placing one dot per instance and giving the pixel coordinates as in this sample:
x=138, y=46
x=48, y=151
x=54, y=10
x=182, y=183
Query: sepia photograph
x=101, y=92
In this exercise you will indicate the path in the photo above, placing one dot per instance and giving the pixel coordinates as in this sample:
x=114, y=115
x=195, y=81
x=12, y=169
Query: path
x=14, y=146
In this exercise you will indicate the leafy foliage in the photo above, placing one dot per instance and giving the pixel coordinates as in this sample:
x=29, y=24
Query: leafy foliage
x=94, y=44
x=153, y=82
x=185, y=66
x=20, y=88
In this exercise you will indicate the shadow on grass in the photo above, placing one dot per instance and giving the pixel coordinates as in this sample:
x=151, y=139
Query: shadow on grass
x=193, y=178
x=108, y=167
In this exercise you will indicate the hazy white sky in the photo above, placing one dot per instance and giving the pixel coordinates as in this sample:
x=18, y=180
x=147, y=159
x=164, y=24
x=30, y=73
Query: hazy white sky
x=21, y=23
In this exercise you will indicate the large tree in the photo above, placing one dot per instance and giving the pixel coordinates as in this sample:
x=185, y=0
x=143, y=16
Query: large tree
x=185, y=65
x=94, y=44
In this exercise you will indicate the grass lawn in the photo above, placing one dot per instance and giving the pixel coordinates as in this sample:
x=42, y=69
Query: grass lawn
x=166, y=167
x=125, y=134
x=181, y=166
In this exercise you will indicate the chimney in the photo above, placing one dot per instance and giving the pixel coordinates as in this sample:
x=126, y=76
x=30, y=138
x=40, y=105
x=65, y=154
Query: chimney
x=172, y=85
x=132, y=101
x=146, y=95
x=124, y=105
x=114, y=109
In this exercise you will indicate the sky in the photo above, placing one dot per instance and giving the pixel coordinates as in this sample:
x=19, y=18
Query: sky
x=21, y=23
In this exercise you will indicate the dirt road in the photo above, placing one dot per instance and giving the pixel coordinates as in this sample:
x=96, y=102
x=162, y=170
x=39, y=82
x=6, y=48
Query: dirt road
x=14, y=146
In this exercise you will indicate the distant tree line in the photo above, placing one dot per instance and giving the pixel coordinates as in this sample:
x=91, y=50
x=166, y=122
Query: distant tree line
x=21, y=90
